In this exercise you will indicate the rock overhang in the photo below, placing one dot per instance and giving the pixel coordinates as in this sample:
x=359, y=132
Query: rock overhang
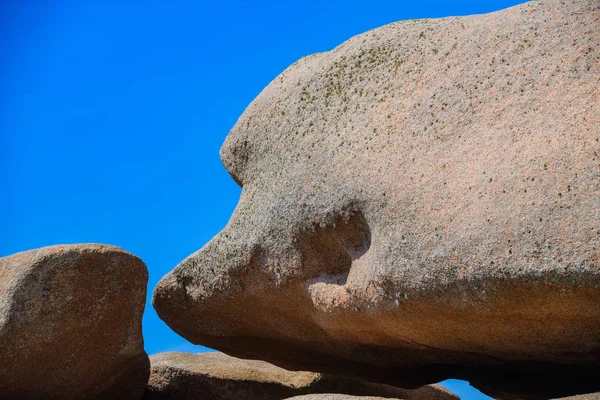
x=463, y=148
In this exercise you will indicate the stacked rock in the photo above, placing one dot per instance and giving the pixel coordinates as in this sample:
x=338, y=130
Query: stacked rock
x=420, y=203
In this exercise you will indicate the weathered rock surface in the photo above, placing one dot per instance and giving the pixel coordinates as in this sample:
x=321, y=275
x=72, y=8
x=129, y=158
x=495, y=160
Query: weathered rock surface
x=422, y=202
x=590, y=396
x=71, y=324
x=334, y=396
x=217, y=376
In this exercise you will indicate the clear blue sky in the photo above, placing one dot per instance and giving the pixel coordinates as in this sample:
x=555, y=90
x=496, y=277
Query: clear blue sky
x=112, y=115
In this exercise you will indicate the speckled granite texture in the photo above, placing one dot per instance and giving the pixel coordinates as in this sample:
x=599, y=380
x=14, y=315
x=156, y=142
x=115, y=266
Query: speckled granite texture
x=421, y=202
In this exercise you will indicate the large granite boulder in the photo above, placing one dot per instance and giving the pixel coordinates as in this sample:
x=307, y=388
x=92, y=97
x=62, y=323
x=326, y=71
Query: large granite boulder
x=217, y=376
x=422, y=202
x=71, y=324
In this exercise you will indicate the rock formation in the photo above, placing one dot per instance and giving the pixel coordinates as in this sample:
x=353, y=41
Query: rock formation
x=421, y=202
x=216, y=376
x=71, y=324
x=591, y=396
x=331, y=396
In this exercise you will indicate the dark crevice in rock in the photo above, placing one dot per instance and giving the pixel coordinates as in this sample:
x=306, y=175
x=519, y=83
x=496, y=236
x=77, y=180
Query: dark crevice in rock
x=331, y=247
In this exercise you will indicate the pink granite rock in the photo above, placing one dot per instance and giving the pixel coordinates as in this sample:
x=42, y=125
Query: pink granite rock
x=216, y=376
x=421, y=202
x=71, y=324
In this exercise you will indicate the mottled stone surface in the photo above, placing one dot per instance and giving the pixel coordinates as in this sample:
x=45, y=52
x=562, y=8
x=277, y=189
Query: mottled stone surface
x=71, y=324
x=217, y=376
x=334, y=396
x=421, y=202
x=590, y=396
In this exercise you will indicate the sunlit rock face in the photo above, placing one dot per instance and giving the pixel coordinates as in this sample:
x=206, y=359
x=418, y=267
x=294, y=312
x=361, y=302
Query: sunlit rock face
x=421, y=202
x=71, y=324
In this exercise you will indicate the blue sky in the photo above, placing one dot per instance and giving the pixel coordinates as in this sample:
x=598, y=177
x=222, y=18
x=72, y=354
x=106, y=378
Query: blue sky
x=112, y=115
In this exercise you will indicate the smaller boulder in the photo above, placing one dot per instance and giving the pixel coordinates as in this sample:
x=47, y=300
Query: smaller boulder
x=217, y=376
x=335, y=396
x=71, y=324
